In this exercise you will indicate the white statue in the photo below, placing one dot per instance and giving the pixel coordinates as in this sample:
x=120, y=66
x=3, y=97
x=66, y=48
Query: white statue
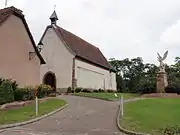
x=161, y=59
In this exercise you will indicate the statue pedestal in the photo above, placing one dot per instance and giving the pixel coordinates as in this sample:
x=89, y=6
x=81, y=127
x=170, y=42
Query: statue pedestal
x=161, y=82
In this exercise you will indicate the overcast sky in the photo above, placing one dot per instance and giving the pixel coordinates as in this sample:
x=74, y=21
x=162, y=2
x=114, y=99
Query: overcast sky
x=120, y=28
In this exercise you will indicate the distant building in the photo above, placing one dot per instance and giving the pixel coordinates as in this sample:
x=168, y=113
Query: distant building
x=19, y=57
x=73, y=62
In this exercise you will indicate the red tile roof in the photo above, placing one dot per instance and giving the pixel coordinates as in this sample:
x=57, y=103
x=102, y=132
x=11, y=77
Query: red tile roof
x=7, y=12
x=82, y=49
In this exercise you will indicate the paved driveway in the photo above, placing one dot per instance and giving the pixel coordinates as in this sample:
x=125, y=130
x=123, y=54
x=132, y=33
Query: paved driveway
x=84, y=116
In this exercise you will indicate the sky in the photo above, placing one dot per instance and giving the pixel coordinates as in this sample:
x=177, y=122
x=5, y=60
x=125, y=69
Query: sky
x=120, y=28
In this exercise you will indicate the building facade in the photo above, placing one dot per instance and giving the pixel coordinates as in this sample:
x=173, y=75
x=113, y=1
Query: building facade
x=19, y=57
x=73, y=62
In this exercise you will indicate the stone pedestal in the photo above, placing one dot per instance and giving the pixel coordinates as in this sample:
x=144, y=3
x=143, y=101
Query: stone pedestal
x=161, y=82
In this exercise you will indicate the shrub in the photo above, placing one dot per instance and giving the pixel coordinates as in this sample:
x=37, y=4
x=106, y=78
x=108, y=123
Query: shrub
x=6, y=92
x=111, y=91
x=44, y=90
x=146, y=89
x=170, y=89
x=96, y=91
x=101, y=90
x=77, y=90
x=69, y=90
x=172, y=130
x=28, y=93
x=87, y=90
x=23, y=94
x=11, y=82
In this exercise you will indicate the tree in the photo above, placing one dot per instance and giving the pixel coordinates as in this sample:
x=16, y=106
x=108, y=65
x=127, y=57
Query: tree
x=133, y=75
x=174, y=76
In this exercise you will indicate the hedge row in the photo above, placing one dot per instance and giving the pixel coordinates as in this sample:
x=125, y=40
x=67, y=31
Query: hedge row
x=10, y=92
x=28, y=93
x=170, y=89
x=6, y=92
x=77, y=90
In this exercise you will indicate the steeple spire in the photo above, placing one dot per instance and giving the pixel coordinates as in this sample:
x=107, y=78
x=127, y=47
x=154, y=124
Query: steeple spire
x=53, y=18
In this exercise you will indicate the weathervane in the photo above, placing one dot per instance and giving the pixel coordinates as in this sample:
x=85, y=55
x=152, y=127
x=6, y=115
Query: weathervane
x=54, y=6
x=5, y=3
x=161, y=59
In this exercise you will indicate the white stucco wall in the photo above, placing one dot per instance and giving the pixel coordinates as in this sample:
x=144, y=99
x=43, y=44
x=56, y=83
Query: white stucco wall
x=90, y=76
x=58, y=59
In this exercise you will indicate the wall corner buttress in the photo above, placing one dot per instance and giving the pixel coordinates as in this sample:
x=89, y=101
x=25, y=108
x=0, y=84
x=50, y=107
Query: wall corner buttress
x=74, y=81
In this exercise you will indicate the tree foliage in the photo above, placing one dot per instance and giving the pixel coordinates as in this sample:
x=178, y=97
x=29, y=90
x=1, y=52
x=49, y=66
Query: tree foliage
x=136, y=77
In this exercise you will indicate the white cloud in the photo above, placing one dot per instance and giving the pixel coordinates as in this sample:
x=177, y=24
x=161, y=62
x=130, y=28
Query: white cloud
x=120, y=28
x=172, y=34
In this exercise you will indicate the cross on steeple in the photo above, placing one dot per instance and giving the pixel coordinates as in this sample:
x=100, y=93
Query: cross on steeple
x=54, y=7
x=5, y=3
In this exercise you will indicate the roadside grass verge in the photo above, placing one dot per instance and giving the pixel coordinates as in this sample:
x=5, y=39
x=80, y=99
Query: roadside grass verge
x=151, y=115
x=28, y=112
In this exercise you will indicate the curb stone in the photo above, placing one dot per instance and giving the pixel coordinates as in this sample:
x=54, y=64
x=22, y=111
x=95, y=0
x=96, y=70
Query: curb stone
x=119, y=118
x=3, y=127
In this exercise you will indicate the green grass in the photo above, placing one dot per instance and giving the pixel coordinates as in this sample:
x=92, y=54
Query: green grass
x=151, y=115
x=28, y=112
x=107, y=96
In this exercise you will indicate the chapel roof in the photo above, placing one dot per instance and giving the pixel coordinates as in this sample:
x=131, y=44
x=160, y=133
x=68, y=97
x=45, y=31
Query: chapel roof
x=82, y=48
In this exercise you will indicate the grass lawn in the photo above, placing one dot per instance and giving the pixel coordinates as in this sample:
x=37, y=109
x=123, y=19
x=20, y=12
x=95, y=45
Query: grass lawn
x=28, y=112
x=151, y=115
x=107, y=96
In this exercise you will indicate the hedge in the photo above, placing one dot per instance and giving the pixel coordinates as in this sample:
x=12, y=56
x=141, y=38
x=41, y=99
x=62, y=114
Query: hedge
x=86, y=90
x=28, y=93
x=10, y=92
x=170, y=89
x=6, y=92
x=44, y=91
x=23, y=94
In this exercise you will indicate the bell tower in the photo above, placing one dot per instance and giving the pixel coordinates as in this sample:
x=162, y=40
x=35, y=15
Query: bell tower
x=53, y=18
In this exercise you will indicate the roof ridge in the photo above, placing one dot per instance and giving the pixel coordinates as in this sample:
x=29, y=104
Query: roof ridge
x=11, y=9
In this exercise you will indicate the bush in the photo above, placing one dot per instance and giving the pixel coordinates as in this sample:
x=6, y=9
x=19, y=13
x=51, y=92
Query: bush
x=11, y=82
x=101, y=90
x=96, y=91
x=23, y=94
x=44, y=90
x=77, y=90
x=69, y=90
x=172, y=130
x=6, y=92
x=28, y=93
x=87, y=90
x=170, y=89
x=111, y=91
x=72, y=91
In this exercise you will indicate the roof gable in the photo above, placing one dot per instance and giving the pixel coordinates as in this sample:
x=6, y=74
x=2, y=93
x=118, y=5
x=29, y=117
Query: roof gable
x=82, y=49
x=7, y=12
